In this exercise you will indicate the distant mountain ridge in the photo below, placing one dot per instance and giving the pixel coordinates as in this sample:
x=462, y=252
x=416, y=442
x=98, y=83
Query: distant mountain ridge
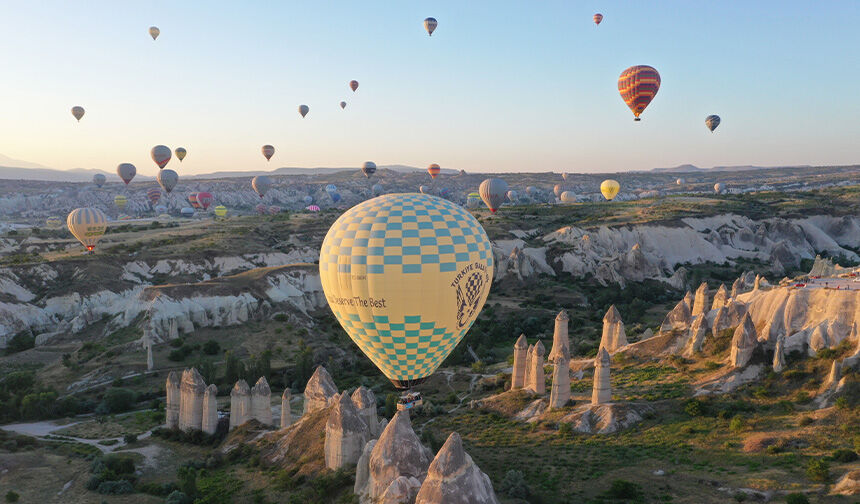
x=688, y=168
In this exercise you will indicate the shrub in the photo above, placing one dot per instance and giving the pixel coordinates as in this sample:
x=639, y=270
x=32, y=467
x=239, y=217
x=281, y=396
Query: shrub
x=565, y=430
x=177, y=497
x=280, y=317
x=796, y=498
x=818, y=470
x=176, y=343
x=118, y=400
x=514, y=485
x=390, y=405
x=694, y=408
x=12, y=496
x=130, y=438
x=844, y=455
x=737, y=424
x=120, y=487
x=176, y=355
x=20, y=342
x=621, y=489
x=211, y=347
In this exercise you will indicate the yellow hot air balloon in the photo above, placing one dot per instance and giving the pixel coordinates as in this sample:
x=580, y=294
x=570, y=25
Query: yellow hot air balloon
x=120, y=201
x=220, y=211
x=610, y=188
x=87, y=225
x=180, y=152
x=406, y=276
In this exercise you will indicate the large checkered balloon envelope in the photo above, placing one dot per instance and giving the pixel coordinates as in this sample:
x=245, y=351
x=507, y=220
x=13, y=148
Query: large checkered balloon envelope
x=406, y=276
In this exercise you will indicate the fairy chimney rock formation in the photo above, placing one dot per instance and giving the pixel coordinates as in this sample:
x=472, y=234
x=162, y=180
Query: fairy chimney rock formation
x=453, y=478
x=688, y=299
x=210, y=410
x=559, y=394
x=148, y=344
x=171, y=409
x=779, y=355
x=319, y=391
x=286, y=413
x=365, y=402
x=602, y=392
x=560, y=338
x=743, y=343
x=834, y=375
x=757, y=283
x=240, y=404
x=518, y=377
x=720, y=297
x=698, y=332
x=700, y=305
x=346, y=433
x=737, y=288
x=536, y=382
x=678, y=319
x=398, y=452
x=614, y=338
x=261, y=402
x=528, y=378
x=191, y=391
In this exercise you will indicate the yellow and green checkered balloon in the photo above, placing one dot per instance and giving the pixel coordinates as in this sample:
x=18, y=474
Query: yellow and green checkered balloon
x=406, y=276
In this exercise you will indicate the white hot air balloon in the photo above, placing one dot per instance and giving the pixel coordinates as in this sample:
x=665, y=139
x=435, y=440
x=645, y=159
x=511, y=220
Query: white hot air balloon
x=161, y=155
x=87, y=225
x=493, y=191
x=261, y=184
x=167, y=179
x=126, y=172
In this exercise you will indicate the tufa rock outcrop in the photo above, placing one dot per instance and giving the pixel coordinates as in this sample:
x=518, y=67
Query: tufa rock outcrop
x=521, y=350
x=602, y=392
x=698, y=332
x=744, y=343
x=453, y=478
x=346, y=433
x=240, y=404
x=535, y=379
x=261, y=402
x=700, y=305
x=678, y=319
x=192, y=390
x=210, y=410
x=614, y=338
x=319, y=391
x=286, y=413
x=365, y=402
x=720, y=297
x=560, y=339
x=559, y=394
x=779, y=355
x=171, y=408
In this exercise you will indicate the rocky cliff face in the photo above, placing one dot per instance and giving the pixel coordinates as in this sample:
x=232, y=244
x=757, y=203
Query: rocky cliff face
x=453, y=478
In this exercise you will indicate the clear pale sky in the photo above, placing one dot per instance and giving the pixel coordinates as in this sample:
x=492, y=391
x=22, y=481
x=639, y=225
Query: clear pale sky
x=501, y=86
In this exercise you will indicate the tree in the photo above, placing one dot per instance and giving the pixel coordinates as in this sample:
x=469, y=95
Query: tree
x=233, y=368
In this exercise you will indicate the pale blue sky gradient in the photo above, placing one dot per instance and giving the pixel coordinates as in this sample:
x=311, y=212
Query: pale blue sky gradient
x=501, y=86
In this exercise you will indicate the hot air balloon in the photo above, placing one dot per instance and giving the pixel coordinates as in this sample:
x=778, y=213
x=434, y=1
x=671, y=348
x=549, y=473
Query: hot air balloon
x=154, y=32
x=493, y=191
x=343, y=104
x=161, y=155
x=472, y=199
x=369, y=168
x=680, y=181
x=167, y=179
x=353, y=84
x=424, y=189
x=719, y=187
x=557, y=190
x=308, y=199
x=53, y=222
x=268, y=151
x=99, y=180
x=377, y=189
x=312, y=208
x=434, y=170
x=204, y=199
x=532, y=191
x=192, y=199
x=180, y=153
x=220, y=211
x=274, y=210
x=261, y=184
x=335, y=197
x=153, y=195
x=568, y=197
x=512, y=196
x=406, y=316
x=186, y=212
x=303, y=110
x=598, y=18
x=261, y=209
x=712, y=121
x=126, y=172
x=78, y=112
x=638, y=85
x=120, y=201
x=564, y=176
x=430, y=25
x=331, y=189
x=87, y=225
x=610, y=189
x=444, y=192
x=160, y=210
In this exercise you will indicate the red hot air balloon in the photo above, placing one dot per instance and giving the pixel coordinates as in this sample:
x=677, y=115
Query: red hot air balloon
x=598, y=18
x=638, y=85
x=434, y=170
x=353, y=84
x=204, y=199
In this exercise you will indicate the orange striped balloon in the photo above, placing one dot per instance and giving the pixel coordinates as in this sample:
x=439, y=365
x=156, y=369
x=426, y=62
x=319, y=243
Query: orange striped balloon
x=598, y=18
x=434, y=170
x=638, y=85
